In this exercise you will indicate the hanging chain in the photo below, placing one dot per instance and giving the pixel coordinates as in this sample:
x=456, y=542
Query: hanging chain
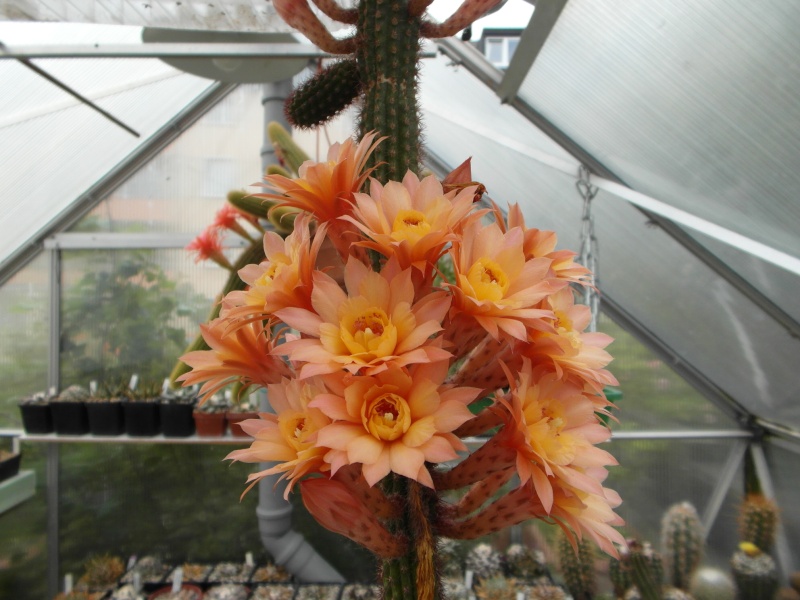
x=589, y=253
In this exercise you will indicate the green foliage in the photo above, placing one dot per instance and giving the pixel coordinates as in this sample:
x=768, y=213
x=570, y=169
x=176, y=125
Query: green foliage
x=117, y=320
x=682, y=542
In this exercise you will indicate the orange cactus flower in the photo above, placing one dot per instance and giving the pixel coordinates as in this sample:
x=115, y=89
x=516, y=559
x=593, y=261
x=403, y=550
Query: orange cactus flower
x=553, y=428
x=395, y=421
x=325, y=189
x=542, y=244
x=496, y=284
x=228, y=217
x=284, y=277
x=243, y=354
x=287, y=437
x=412, y=221
x=371, y=326
x=568, y=350
x=208, y=245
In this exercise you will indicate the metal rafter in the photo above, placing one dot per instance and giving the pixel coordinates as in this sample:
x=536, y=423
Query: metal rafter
x=530, y=44
x=468, y=56
x=105, y=185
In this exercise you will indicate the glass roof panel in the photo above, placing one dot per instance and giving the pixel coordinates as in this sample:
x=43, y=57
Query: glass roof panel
x=694, y=104
x=703, y=319
x=53, y=148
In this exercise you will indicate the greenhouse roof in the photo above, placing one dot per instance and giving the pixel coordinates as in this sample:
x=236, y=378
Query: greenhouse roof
x=690, y=136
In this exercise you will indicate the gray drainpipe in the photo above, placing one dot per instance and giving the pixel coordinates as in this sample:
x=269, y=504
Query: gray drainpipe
x=287, y=547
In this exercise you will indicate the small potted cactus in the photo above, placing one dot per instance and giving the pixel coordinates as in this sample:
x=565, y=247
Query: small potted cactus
x=210, y=417
x=69, y=411
x=101, y=573
x=176, y=412
x=142, y=410
x=104, y=410
x=37, y=416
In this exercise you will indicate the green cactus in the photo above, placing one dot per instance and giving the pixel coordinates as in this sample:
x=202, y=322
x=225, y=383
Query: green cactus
x=257, y=207
x=578, y=568
x=647, y=570
x=495, y=588
x=388, y=63
x=711, y=584
x=521, y=562
x=754, y=573
x=758, y=521
x=286, y=148
x=619, y=571
x=325, y=95
x=546, y=592
x=73, y=393
x=682, y=542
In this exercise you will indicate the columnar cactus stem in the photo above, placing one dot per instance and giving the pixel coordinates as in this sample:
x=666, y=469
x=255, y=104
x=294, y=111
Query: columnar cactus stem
x=388, y=59
x=682, y=541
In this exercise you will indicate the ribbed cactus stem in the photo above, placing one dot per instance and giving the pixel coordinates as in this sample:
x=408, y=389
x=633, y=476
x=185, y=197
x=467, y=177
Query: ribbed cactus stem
x=758, y=521
x=324, y=96
x=755, y=575
x=577, y=568
x=388, y=55
x=647, y=571
x=286, y=148
x=682, y=542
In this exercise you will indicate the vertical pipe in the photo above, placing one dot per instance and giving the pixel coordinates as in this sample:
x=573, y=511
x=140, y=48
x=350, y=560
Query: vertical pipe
x=52, y=464
x=286, y=546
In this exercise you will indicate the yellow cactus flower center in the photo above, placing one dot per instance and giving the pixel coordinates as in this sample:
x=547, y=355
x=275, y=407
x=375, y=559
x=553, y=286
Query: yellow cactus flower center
x=386, y=416
x=488, y=279
x=368, y=331
x=565, y=329
x=276, y=265
x=410, y=225
x=546, y=425
x=294, y=430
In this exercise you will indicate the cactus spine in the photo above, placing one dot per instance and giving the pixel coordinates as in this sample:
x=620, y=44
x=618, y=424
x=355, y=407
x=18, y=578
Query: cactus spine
x=682, y=543
x=758, y=521
x=577, y=567
x=755, y=574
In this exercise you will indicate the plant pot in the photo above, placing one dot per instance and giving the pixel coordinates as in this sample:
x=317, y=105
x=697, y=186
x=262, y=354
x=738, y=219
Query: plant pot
x=70, y=418
x=141, y=419
x=36, y=418
x=187, y=592
x=209, y=424
x=105, y=418
x=234, y=418
x=9, y=467
x=176, y=419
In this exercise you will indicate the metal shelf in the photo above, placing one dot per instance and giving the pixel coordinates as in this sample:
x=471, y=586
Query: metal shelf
x=127, y=439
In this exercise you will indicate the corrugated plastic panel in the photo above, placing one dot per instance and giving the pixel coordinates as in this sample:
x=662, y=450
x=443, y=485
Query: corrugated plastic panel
x=694, y=104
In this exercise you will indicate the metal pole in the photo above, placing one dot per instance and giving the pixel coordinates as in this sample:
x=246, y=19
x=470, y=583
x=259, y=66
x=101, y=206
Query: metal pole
x=52, y=465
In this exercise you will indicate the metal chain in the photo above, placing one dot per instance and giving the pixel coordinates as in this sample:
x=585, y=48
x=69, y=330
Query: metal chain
x=589, y=251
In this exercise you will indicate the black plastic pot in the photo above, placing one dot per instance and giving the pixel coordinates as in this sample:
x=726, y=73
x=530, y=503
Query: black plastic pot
x=70, y=418
x=142, y=419
x=177, y=419
x=36, y=418
x=105, y=418
x=10, y=466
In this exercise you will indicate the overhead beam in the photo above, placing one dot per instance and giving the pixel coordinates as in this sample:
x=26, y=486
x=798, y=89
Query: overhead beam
x=165, y=50
x=531, y=43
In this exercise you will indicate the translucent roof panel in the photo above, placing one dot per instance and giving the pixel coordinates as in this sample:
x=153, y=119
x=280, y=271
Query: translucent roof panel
x=694, y=104
x=54, y=148
x=695, y=314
